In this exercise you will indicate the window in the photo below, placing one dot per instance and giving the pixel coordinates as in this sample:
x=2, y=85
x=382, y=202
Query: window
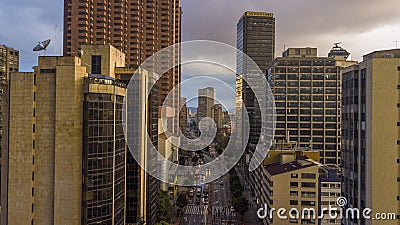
x=294, y=193
x=308, y=176
x=308, y=184
x=294, y=175
x=307, y=203
x=96, y=64
x=294, y=184
x=294, y=202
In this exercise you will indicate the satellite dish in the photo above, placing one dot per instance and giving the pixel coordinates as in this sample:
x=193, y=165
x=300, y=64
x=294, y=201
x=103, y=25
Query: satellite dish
x=42, y=46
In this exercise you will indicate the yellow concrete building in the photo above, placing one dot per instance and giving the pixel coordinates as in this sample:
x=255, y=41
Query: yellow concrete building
x=370, y=131
x=291, y=183
x=65, y=151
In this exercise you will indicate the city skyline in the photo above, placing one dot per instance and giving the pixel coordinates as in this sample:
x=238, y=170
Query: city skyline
x=370, y=21
x=167, y=112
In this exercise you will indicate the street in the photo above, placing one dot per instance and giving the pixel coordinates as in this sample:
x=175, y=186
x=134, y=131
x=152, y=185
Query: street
x=212, y=206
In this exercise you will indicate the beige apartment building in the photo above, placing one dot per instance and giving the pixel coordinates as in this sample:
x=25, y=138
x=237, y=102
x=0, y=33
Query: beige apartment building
x=371, y=164
x=291, y=183
x=292, y=178
x=65, y=151
x=307, y=92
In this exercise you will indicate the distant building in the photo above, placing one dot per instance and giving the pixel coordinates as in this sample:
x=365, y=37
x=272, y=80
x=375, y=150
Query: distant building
x=307, y=90
x=370, y=132
x=9, y=62
x=217, y=115
x=227, y=119
x=206, y=100
x=183, y=116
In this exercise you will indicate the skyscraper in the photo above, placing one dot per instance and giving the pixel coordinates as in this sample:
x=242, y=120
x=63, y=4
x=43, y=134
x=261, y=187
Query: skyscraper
x=217, y=115
x=307, y=91
x=9, y=62
x=256, y=39
x=370, y=135
x=139, y=28
x=206, y=100
x=65, y=151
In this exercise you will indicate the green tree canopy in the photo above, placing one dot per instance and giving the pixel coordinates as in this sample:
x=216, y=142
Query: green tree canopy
x=181, y=201
x=241, y=205
x=165, y=209
x=162, y=223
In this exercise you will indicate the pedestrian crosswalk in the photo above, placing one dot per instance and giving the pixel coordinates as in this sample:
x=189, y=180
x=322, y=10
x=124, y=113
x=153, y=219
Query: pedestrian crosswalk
x=195, y=210
x=221, y=210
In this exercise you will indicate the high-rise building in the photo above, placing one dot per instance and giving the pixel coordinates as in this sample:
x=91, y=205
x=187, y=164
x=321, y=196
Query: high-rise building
x=217, y=115
x=307, y=92
x=139, y=28
x=65, y=150
x=141, y=189
x=256, y=39
x=9, y=62
x=183, y=116
x=206, y=100
x=370, y=135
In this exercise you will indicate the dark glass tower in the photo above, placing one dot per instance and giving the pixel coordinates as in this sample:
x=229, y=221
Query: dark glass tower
x=256, y=39
x=103, y=193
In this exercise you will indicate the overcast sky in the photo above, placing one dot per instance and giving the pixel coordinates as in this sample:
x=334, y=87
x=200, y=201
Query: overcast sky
x=361, y=25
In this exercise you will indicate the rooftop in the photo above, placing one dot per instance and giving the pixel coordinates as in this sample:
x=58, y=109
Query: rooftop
x=278, y=168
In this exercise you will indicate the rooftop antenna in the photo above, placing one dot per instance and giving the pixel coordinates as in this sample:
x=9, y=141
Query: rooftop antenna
x=337, y=44
x=396, y=43
x=42, y=46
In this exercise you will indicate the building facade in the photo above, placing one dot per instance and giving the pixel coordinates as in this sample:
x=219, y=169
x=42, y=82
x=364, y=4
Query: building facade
x=291, y=183
x=256, y=45
x=330, y=184
x=370, y=154
x=65, y=151
x=255, y=38
x=138, y=28
x=183, y=116
x=217, y=115
x=141, y=187
x=206, y=100
x=307, y=92
x=9, y=62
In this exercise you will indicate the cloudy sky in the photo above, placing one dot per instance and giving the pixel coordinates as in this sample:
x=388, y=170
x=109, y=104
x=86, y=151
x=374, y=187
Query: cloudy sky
x=361, y=25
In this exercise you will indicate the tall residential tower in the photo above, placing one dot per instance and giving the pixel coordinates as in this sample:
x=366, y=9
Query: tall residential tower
x=370, y=132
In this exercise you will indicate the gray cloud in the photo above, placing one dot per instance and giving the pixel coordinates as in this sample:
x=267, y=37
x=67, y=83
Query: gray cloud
x=317, y=23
